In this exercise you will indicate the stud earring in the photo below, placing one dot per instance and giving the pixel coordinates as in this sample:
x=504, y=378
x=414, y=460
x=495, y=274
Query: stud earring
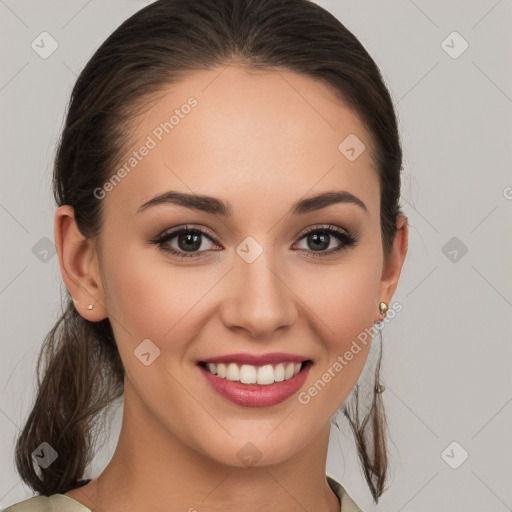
x=383, y=308
x=379, y=388
x=90, y=306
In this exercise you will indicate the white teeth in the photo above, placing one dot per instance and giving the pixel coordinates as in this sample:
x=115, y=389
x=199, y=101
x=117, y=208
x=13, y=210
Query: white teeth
x=221, y=370
x=279, y=373
x=233, y=372
x=265, y=375
x=249, y=374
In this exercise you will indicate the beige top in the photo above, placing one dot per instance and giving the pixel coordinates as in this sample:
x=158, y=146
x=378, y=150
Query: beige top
x=63, y=503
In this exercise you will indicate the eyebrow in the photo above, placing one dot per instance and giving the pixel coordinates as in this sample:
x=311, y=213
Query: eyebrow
x=215, y=206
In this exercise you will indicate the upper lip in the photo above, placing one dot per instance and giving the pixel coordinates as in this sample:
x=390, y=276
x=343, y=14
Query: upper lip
x=256, y=360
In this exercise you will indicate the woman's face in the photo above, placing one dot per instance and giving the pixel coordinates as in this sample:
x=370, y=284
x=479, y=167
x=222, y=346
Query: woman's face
x=253, y=282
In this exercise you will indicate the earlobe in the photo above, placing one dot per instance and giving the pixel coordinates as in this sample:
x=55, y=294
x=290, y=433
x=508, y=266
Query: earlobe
x=77, y=257
x=393, y=265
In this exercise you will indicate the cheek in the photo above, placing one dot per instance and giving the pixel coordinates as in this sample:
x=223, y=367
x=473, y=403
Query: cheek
x=149, y=299
x=342, y=297
x=342, y=301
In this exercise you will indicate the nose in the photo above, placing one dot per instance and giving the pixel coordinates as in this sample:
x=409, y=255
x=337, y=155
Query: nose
x=259, y=298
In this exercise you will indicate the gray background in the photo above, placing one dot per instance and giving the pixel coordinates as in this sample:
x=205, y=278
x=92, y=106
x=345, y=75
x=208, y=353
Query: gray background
x=447, y=354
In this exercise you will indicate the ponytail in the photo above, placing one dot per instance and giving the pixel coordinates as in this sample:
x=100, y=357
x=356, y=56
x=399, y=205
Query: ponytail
x=79, y=373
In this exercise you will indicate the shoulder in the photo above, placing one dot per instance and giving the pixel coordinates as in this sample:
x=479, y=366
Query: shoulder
x=347, y=503
x=63, y=503
x=53, y=503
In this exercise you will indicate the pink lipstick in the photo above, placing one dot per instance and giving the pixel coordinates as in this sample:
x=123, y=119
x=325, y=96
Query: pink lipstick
x=279, y=376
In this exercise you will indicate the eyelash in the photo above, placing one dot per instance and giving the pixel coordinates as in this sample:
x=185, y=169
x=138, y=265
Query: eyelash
x=343, y=236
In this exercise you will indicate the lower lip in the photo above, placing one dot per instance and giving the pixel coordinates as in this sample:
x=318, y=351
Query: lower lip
x=256, y=395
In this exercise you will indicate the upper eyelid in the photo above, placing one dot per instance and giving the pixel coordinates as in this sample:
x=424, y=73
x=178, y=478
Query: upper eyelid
x=174, y=231
x=324, y=227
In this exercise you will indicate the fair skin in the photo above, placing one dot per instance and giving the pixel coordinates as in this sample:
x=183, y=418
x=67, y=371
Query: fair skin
x=259, y=142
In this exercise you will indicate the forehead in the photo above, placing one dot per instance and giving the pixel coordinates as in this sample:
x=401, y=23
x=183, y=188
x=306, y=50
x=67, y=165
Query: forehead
x=246, y=136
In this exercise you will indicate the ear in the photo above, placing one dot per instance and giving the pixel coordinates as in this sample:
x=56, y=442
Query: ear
x=393, y=264
x=79, y=265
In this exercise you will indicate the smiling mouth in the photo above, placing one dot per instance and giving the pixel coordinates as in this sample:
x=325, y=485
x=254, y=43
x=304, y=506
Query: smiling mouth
x=248, y=374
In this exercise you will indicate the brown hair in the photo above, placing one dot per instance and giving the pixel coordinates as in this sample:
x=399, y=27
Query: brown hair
x=159, y=45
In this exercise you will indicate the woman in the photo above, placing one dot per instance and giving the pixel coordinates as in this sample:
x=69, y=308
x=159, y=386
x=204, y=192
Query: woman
x=228, y=226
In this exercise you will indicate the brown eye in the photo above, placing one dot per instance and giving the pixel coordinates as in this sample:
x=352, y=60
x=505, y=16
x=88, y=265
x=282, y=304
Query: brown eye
x=319, y=239
x=188, y=240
